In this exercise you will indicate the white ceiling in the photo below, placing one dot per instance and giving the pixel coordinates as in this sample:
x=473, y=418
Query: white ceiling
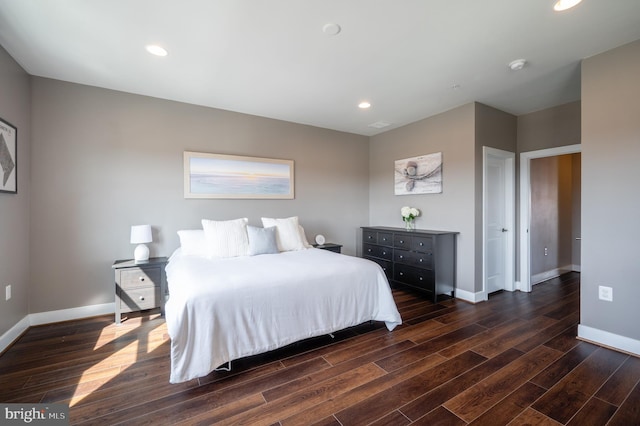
x=272, y=59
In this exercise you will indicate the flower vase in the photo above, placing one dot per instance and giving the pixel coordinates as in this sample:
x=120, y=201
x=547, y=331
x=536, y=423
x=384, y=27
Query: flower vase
x=409, y=225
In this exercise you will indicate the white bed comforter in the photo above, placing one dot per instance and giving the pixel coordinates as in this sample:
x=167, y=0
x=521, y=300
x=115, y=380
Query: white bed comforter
x=225, y=309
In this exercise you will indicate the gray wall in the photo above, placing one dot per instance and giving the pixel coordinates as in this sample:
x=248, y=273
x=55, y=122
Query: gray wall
x=459, y=134
x=610, y=195
x=549, y=128
x=554, y=184
x=494, y=129
x=451, y=133
x=104, y=160
x=14, y=208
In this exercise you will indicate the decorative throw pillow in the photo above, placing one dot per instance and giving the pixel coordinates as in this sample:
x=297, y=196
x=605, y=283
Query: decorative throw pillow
x=226, y=238
x=262, y=240
x=193, y=242
x=287, y=233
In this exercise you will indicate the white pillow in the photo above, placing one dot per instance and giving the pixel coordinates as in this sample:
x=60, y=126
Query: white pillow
x=303, y=237
x=193, y=242
x=287, y=233
x=226, y=238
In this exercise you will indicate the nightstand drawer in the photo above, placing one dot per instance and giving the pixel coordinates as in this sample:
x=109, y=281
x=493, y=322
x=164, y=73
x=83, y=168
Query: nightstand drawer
x=140, y=277
x=140, y=299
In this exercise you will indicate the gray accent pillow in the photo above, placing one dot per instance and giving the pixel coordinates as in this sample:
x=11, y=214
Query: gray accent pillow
x=262, y=240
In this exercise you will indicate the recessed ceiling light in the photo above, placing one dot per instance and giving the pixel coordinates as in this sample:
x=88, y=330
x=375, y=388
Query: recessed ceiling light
x=154, y=49
x=565, y=4
x=364, y=105
x=518, y=64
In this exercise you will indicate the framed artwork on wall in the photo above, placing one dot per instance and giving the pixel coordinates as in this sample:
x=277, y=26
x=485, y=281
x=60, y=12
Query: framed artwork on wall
x=8, y=157
x=231, y=176
x=419, y=175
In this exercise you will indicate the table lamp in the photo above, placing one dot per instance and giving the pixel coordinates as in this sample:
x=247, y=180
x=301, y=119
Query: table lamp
x=141, y=234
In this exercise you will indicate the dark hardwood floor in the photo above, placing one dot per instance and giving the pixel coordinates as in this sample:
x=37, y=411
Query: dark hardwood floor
x=512, y=360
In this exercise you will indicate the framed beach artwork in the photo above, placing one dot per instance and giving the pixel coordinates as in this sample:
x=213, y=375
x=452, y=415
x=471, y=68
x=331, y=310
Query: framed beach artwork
x=419, y=175
x=231, y=176
x=8, y=158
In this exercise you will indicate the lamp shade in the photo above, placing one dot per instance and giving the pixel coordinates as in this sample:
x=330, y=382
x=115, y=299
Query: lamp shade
x=141, y=234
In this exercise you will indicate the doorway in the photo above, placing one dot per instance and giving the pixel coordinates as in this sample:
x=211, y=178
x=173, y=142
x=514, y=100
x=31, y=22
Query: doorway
x=526, y=222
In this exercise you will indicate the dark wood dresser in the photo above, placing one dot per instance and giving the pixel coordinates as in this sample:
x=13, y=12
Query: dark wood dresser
x=421, y=259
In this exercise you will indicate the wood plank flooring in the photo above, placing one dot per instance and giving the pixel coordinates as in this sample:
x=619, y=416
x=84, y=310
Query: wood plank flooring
x=512, y=360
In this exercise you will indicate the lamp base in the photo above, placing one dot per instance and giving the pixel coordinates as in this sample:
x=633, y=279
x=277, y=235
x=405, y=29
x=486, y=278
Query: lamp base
x=141, y=253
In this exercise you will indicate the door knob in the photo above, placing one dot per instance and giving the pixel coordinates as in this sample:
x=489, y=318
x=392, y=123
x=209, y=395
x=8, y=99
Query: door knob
x=504, y=229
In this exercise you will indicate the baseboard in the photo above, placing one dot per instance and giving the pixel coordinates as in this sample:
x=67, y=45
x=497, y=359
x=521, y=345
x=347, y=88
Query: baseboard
x=553, y=273
x=575, y=268
x=71, y=314
x=53, y=316
x=13, y=333
x=468, y=296
x=609, y=340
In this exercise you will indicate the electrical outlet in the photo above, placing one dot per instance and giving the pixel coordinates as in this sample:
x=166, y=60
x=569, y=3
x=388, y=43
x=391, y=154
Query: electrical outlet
x=7, y=292
x=605, y=293
x=546, y=251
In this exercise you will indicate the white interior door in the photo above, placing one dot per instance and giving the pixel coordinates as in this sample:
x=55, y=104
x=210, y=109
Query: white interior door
x=498, y=220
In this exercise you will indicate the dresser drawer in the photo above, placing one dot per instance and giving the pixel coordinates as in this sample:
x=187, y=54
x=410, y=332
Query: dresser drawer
x=422, y=244
x=139, y=277
x=380, y=238
x=402, y=241
x=378, y=251
x=385, y=239
x=370, y=237
x=140, y=299
x=414, y=277
x=387, y=266
x=403, y=256
x=423, y=260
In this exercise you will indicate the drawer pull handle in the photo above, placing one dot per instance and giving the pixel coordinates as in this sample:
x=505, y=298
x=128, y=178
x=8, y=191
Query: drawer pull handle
x=401, y=241
x=420, y=278
x=401, y=257
x=421, y=244
x=141, y=278
x=384, y=252
x=369, y=250
x=401, y=273
x=141, y=297
x=420, y=260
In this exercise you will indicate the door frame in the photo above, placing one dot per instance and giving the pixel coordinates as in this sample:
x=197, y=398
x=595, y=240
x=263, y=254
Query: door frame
x=525, y=206
x=510, y=209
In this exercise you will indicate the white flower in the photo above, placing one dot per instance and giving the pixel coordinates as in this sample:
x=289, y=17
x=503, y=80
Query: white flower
x=409, y=213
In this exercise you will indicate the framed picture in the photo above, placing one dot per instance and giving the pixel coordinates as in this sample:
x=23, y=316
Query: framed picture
x=231, y=176
x=419, y=175
x=8, y=158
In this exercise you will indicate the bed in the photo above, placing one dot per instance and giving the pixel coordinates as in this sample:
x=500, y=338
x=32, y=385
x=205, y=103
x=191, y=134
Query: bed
x=222, y=309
